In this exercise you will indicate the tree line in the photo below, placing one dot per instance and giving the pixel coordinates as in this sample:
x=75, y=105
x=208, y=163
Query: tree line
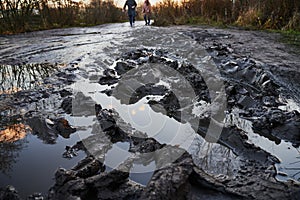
x=28, y=15
x=265, y=14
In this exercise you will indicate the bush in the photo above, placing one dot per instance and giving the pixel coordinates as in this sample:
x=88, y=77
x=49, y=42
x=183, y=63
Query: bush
x=269, y=14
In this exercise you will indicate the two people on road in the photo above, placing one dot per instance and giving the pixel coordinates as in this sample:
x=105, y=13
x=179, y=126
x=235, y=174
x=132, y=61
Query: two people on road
x=146, y=9
x=131, y=4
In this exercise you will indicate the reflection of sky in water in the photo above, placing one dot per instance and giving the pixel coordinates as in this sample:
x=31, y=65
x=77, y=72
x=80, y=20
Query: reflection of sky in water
x=142, y=173
x=289, y=156
x=90, y=49
x=213, y=158
x=36, y=164
x=141, y=116
x=117, y=154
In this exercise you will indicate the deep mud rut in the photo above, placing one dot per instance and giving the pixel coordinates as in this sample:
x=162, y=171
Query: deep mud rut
x=113, y=112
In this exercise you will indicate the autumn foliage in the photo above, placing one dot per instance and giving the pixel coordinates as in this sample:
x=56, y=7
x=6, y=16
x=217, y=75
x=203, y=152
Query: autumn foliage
x=28, y=15
x=270, y=14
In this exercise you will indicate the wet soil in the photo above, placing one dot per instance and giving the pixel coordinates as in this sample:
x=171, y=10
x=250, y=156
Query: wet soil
x=161, y=113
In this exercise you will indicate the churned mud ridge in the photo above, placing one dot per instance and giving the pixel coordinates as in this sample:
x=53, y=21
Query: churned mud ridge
x=89, y=180
x=256, y=88
x=249, y=89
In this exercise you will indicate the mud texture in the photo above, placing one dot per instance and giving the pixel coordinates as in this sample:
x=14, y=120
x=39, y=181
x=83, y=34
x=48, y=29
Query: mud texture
x=256, y=86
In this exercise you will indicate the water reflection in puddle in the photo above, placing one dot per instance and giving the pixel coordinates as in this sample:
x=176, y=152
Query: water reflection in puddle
x=213, y=158
x=141, y=173
x=141, y=116
x=14, y=133
x=30, y=171
x=15, y=78
x=289, y=156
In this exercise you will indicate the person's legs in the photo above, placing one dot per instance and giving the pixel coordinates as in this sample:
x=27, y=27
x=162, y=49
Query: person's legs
x=131, y=19
x=145, y=18
x=148, y=19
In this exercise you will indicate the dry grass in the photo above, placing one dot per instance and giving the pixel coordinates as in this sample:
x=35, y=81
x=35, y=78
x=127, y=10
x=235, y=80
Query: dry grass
x=267, y=14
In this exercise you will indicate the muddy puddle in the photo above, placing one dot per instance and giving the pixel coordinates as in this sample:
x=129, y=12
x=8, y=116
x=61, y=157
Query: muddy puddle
x=146, y=113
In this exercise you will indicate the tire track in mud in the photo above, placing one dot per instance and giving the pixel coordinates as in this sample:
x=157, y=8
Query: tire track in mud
x=251, y=173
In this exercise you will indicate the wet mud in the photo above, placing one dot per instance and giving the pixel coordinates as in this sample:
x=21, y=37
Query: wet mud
x=261, y=95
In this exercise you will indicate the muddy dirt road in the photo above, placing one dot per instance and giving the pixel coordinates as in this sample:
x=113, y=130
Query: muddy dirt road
x=149, y=113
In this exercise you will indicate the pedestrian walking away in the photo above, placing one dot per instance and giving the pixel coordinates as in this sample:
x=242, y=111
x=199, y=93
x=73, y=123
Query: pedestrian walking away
x=131, y=4
x=147, y=12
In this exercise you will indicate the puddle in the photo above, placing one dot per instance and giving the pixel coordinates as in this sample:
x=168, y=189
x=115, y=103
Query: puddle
x=30, y=171
x=141, y=173
x=15, y=78
x=289, y=156
x=117, y=155
x=27, y=155
x=214, y=158
x=141, y=116
x=14, y=133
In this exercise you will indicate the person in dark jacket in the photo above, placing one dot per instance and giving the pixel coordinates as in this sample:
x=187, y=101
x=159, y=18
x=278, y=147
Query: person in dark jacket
x=131, y=4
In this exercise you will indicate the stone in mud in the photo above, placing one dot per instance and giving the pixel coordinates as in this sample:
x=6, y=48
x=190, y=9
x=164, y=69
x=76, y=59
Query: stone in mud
x=98, y=109
x=63, y=127
x=75, y=183
x=86, y=169
x=108, y=92
x=9, y=193
x=245, y=185
x=112, y=185
x=71, y=152
x=35, y=196
x=148, y=89
x=171, y=106
x=108, y=123
x=72, y=189
x=170, y=181
x=156, y=59
x=128, y=190
x=62, y=176
x=66, y=105
x=79, y=105
x=108, y=80
x=44, y=131
x=106, y=119
x=279, y=124
x=112, y=179
x=291, y=130
x=64, y=93
x=45, y=94
x=137, y=54
x=48, y=130
x=143, y=145
x=122, y=68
